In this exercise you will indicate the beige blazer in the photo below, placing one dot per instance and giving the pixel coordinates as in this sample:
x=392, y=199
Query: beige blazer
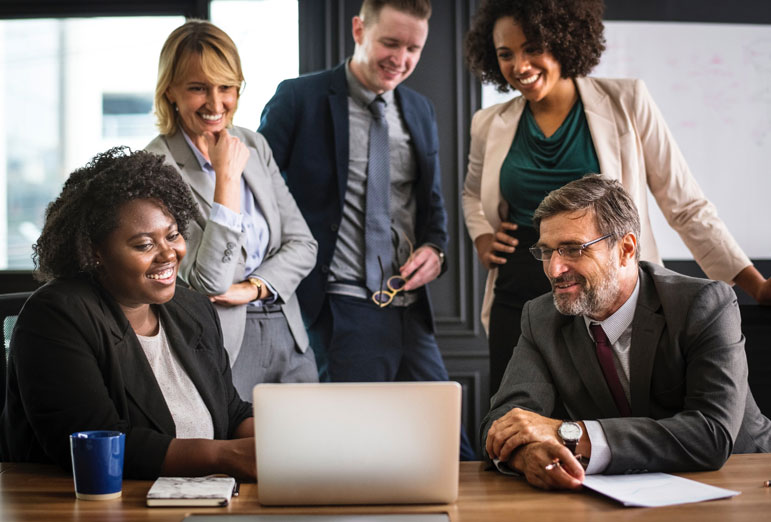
x=633, y=145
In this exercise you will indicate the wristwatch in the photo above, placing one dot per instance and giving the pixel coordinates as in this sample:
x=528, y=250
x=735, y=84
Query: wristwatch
x=570, y=433
x=255, y=282
x=439, y=253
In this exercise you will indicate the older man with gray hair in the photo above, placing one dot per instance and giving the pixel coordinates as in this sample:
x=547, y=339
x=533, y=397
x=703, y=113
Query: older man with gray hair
x=626, y=367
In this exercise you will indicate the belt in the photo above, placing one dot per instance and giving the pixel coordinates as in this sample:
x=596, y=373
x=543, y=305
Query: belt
x=402, y=299
x=263, y=308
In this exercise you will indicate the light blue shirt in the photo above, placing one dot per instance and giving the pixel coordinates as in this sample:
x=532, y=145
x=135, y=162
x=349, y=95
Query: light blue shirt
x=250, y=220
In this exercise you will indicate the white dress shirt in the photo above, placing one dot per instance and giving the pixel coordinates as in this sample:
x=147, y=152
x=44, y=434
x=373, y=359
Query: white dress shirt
x=618, y=328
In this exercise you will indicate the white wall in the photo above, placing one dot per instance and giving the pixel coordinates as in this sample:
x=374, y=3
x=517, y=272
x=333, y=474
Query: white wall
x=712, y=82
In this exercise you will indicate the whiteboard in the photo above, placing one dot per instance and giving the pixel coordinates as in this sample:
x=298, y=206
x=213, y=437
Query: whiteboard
x=712, y=83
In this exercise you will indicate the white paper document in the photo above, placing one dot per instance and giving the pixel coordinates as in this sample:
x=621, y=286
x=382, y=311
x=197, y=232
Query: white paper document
x=654, y=489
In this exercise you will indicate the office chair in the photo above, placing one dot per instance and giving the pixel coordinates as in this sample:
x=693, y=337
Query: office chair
x=756, y=326
x=10, y=306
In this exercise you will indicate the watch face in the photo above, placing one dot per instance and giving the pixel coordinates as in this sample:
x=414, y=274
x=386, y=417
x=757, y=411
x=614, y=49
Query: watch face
x=569, y=431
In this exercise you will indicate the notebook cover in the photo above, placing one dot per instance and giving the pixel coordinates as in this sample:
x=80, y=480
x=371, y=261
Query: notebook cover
x=191, y=491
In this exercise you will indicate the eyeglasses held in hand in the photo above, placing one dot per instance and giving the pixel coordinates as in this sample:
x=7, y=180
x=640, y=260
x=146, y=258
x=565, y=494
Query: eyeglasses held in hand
x=394, y=285
x=566, y=251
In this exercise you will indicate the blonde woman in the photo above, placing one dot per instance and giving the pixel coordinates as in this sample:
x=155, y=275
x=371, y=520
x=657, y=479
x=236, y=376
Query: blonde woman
x=249, y=247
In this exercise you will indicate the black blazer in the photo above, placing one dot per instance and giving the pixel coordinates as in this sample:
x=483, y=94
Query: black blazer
x=76, y=364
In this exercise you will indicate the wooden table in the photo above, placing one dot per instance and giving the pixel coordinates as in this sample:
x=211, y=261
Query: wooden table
x=31, y=492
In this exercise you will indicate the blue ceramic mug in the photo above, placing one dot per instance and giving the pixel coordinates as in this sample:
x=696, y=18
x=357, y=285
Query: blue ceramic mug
x=97, y=463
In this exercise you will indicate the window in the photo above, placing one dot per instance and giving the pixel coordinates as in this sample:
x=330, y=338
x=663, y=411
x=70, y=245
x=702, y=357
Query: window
x=73, y=87
x=69, y=88
x=266, y=34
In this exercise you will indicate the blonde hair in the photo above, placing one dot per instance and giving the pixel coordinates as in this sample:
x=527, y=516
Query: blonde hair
x=196, y=39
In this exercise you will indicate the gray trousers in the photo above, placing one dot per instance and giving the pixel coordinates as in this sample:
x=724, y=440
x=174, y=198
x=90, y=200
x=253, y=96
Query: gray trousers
x=270, y=354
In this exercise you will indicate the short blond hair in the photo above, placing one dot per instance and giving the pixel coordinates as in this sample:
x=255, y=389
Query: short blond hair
x=370, y=9
x=196, y=39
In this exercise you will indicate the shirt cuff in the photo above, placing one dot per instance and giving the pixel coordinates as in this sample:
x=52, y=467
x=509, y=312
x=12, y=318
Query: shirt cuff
x=505, y=469
x=222, y=215
x=600, y=459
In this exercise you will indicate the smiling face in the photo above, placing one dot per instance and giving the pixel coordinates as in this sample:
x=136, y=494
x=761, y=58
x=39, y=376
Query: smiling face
x=139, y=259
x=531, y=70
x=598, y=282
x=387, y=49
x=202, y=105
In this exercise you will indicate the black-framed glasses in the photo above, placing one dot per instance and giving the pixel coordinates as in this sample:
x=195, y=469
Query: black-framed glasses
x=394, y=284
x=566, y=251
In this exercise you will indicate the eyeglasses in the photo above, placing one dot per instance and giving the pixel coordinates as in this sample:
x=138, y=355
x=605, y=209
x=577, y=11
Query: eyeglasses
x=393, y=286
x=566, y=251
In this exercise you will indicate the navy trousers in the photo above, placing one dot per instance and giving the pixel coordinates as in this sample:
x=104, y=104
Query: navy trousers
x=356, y=341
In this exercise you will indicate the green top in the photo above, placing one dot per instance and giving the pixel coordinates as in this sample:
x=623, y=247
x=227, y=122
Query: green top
x=536, y=165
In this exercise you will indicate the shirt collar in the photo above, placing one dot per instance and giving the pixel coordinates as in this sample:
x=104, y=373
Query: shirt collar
x=359, y=92
x=615, y=325
x=202, y=161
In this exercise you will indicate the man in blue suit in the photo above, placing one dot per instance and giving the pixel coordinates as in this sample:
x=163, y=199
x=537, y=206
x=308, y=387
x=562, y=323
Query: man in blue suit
x=320, y=128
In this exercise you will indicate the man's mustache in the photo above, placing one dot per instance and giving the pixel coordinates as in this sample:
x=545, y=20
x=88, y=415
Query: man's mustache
x=567, y=278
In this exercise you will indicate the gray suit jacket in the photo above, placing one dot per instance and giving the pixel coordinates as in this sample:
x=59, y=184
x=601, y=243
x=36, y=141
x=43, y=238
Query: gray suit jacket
x=216, y=255
x=691, y=405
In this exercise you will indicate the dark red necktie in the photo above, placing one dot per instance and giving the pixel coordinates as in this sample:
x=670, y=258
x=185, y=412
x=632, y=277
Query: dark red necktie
x=605, y=358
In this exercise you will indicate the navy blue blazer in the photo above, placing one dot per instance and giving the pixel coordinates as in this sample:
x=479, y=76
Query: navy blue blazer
x=306, y=125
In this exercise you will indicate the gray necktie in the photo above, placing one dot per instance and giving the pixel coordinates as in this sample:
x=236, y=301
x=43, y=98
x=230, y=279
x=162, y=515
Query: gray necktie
x=377, y=225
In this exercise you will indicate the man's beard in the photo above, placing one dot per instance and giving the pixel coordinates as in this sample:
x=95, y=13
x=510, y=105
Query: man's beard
x=591, y=301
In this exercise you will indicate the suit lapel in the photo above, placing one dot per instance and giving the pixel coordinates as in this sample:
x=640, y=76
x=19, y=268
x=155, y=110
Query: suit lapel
x=647, y=326
x=338, y=107
x=199, y=181
x=415, y=121
x=602, y=126
x=500, y=136
x=138, y=378
x=582, y=352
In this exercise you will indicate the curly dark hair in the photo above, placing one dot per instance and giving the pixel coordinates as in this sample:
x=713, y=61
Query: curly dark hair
x=571, y=30
x=86, y=211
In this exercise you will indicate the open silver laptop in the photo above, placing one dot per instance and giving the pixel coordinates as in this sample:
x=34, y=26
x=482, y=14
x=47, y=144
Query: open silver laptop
x=357, y=443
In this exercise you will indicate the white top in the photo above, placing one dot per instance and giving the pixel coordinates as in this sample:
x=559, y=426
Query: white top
x=190, y=414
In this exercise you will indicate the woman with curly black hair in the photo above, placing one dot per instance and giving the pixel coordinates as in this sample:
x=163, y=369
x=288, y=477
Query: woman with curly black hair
x=562, y=126
x=111, y=343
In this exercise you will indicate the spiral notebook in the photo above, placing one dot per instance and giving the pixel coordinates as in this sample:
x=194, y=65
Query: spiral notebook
x=191, y=491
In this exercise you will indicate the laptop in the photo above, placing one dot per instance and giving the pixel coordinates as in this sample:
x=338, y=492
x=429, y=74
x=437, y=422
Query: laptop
x=357, y=443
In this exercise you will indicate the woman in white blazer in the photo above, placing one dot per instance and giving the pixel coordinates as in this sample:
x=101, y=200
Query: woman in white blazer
x=563, y=126
x=250, y=247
